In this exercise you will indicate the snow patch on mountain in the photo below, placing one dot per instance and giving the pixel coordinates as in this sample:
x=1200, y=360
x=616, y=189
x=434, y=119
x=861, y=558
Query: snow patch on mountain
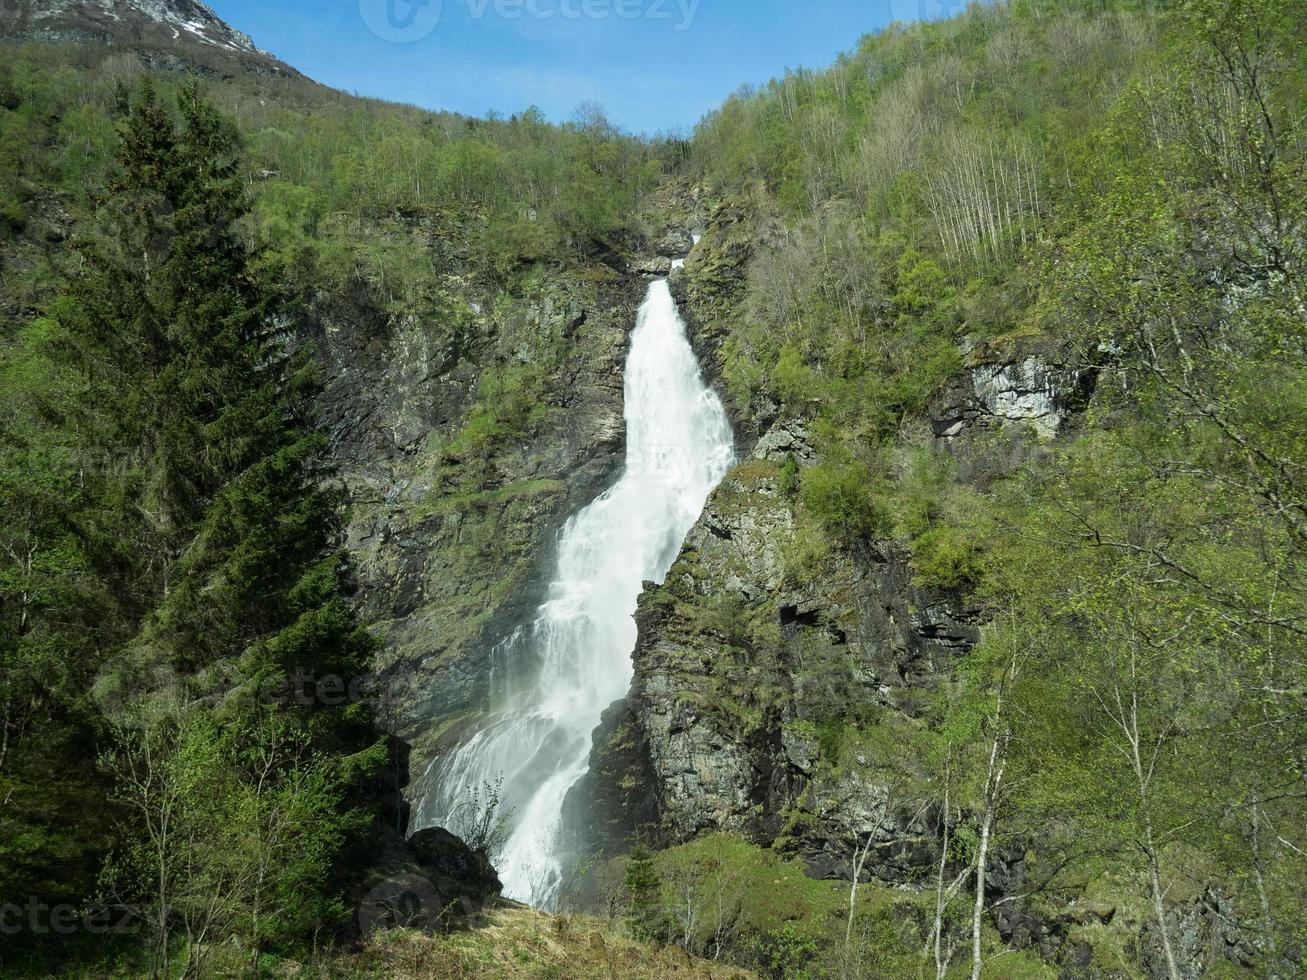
x=131, y=18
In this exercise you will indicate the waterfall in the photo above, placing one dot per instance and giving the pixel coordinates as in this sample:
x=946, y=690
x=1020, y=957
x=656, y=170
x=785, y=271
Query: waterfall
x=553, y=678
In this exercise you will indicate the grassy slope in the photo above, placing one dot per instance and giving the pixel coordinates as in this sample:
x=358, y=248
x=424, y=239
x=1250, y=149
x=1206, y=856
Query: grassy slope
x=518, y=943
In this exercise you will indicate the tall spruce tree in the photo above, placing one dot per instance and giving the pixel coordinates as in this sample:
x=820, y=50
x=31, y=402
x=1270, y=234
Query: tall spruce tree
x=180, y=564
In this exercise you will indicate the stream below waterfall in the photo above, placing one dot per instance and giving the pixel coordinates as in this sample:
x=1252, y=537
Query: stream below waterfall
x=552, y=678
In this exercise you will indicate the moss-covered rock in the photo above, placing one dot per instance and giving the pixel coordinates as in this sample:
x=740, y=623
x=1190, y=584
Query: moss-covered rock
x=465, y=431
x=780, y=704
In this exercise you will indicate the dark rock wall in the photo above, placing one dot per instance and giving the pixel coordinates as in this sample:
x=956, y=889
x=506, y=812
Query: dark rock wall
x=745, y=679
x=442, y=582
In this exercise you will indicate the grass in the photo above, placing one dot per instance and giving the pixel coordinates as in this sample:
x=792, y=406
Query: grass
x=773, y=890
x=457, y=503
x=515, y=944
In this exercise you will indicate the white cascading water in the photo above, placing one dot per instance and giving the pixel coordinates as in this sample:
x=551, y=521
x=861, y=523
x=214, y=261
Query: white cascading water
x=553, y=678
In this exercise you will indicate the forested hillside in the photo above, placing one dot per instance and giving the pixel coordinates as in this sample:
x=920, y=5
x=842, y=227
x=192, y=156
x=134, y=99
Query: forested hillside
x=1007, y=608
x=987, y=659
x=1018, y=297
x=177, y=604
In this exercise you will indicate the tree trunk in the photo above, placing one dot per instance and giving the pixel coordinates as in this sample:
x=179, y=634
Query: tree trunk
x=1159, y=907
x=941, y=962
x=978, y=911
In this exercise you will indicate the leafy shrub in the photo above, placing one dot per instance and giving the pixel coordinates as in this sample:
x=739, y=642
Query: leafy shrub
x=12, y=218
x=789, y=481
x=946, y=557
x=792, y=379
x=843, y=498
x=784, y=954
x=830, y=738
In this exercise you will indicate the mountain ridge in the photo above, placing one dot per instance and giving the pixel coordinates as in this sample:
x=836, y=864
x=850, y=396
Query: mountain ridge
x=189, y=28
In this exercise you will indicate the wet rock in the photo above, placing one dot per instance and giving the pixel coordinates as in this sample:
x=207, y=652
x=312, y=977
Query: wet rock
x=611, y=806
x=652, y=265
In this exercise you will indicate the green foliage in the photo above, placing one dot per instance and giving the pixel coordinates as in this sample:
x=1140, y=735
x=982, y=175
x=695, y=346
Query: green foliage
x=508, y=404
x=789, y=478
x=761, y=888
x=945, y=521
x=1138, y=573
x=792, y=379
x=226, y=829
x=1121, y=187
x=926, y=160
x=1126, y=180
x=171, y=547
x=342, y=189
x=733, y=901
x=646, y=918
x=808, y=552
x=783, y=954
x=843, y=497
x=946, y=558
x=830, y=740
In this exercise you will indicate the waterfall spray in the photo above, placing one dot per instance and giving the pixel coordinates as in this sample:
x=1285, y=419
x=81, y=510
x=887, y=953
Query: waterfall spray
x=555, y=676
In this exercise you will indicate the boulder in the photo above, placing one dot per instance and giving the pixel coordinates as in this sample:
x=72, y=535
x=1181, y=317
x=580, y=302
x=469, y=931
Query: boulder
x=674, y=243
x=432, y=882
x=652, y=265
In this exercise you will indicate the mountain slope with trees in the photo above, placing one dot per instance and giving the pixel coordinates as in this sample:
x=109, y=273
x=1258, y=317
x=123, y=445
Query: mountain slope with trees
x=207, y=287
x=986, y=660
x=1007, y=605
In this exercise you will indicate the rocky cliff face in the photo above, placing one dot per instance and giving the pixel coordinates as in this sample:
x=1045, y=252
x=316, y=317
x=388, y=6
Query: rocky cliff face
x=756, y=686
x=441, y=579
x=166, y=33
x=1009, y=401
x=777, y=688
x=454, y=546
x=712, y=282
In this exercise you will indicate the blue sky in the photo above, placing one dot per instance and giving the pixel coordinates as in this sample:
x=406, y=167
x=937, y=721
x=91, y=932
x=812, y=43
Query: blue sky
x=653, y=64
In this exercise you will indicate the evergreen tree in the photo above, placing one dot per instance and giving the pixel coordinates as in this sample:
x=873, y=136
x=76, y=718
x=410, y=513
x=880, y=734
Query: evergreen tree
x=169, y=485
x=647, y=918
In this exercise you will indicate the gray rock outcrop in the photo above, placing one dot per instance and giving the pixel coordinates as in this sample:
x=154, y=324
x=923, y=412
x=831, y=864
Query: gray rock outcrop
x=753, y=680
x=446, y=569
x=1003, y=408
